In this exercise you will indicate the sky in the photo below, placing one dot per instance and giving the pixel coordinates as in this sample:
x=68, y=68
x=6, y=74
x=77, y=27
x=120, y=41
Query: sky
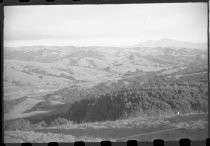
x=104, y=25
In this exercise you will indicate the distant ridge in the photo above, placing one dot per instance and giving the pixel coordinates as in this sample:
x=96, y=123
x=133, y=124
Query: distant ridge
x=149, y=43
x=173, y=43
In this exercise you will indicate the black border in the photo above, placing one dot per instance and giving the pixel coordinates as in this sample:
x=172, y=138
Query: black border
x=67, y=2
x=71, y=2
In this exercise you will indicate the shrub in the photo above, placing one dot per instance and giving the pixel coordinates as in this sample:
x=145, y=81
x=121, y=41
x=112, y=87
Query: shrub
x=59, y=121
x=40, y=124
x=19, y=124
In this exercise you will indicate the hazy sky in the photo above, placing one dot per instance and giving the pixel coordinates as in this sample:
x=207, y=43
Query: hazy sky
x=114, y=25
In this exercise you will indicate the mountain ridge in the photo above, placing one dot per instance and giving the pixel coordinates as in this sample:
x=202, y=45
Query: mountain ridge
x=165, y=42
x=172, y=43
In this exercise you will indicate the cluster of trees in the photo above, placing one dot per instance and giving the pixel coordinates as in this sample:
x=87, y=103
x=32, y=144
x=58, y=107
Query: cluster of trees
x=157, y=96
x=23, y=124
x=19, y=124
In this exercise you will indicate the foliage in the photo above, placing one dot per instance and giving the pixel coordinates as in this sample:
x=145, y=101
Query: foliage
x=155, y=97
x=59, y=121
x=19, y=124
x=40, y=137
x=40, y=124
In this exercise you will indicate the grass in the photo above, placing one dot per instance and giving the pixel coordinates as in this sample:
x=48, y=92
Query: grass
x=136, y=122
x=200, y=124
x=193, y=126
x=174, y=135
x=38, y=137
x=124, y=123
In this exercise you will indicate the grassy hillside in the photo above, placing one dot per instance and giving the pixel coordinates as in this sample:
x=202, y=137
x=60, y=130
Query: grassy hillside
x=130, y=97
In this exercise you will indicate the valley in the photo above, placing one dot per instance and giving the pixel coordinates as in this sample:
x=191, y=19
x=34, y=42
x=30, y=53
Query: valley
x=92, y=84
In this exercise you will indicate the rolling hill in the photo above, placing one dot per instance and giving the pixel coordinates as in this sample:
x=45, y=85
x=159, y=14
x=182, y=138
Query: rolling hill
x=57, y=75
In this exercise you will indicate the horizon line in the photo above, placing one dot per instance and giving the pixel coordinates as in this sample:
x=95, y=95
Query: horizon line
x=76, y=45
